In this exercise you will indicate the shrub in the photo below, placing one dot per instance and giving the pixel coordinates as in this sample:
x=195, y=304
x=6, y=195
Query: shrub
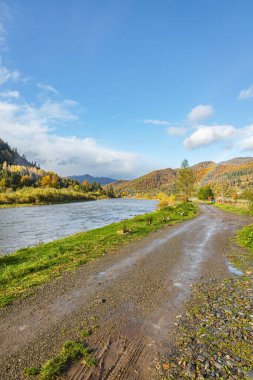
x=125, y=229
x=149, y=219
x=205, y=192
x=162, y=204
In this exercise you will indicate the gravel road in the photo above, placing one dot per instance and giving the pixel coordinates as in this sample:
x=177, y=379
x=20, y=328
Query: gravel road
x=136, y=295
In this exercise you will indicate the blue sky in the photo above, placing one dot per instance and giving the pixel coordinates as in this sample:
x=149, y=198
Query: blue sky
x=119, y=88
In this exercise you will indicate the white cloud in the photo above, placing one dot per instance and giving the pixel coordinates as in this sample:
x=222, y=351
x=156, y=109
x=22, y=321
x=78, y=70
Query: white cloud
x=247, y=144
x=6, y=75
x=249, y=129
x=7, y=109
x=246, y=93
x=10, y=94
x=156, y=122
x=30, y=129
x=207, y=135
x=176, y=131
x=200, y=112
x=48, y=87
x=51, y=110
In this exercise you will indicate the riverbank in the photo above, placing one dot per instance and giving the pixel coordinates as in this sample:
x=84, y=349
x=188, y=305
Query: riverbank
x=17, y=205
x=215, y=336
x=43, y=196
x=21, y=271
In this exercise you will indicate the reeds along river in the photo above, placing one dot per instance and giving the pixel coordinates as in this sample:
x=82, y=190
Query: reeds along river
x=28, y=226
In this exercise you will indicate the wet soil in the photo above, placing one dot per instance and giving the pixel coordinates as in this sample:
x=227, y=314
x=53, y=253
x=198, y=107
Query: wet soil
x=136, y=295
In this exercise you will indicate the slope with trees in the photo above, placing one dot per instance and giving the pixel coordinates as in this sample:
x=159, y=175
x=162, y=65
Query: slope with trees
x=23, y=182
x=224, y=178
x=11, y=156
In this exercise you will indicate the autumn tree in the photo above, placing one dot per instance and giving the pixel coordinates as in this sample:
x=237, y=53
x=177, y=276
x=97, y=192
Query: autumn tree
x=25, y=180
x=185, y=181
x=49, y=180
x=3, y=183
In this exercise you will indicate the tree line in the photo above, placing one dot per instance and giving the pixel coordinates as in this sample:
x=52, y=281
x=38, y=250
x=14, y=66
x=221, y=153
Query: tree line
x=15, y=177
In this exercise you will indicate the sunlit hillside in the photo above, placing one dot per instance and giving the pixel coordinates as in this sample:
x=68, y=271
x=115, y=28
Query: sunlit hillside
x=235, y=174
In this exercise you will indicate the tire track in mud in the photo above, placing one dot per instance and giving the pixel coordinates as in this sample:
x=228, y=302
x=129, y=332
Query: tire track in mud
x=119, y=359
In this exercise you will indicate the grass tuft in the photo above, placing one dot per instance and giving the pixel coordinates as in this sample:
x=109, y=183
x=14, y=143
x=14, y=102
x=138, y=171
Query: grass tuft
x=70, y=352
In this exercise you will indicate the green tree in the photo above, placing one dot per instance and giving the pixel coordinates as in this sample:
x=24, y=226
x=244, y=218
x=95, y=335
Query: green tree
x=185, y=180
x=205, y=192
x=110, y=192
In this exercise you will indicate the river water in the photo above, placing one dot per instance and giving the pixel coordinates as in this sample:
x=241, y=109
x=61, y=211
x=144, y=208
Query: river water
x=28, y=226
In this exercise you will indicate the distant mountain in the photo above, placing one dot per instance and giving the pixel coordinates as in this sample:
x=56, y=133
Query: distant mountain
x=90, y=179
x=237, y=173
x=11, y=156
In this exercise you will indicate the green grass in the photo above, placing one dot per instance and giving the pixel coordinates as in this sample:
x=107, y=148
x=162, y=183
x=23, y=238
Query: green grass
x=235, y=209
x=245, y=237
x=70, y=352
x=244, y=260
x=23, y=270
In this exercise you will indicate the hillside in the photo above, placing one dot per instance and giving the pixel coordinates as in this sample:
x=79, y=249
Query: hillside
x=11, y=156
x=236, y=174
x=16, y=173
x=91, y=179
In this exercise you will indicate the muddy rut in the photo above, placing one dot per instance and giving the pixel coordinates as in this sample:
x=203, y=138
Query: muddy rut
x=135, y=296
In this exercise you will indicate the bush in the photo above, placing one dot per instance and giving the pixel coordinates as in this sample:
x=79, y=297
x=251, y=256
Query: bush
x=149, y=220
x=205, y=193
x=162, y=204
x=125, y=229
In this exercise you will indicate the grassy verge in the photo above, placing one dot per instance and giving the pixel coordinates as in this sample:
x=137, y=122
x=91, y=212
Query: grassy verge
x=214, y=337
x=235, y=209
x=245, y=261
x=21, y=271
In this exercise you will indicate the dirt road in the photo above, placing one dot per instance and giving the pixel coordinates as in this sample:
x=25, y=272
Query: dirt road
x=136, y=295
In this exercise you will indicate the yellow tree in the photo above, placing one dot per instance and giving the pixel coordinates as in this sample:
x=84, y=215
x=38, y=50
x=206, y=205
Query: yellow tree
x=45, y=181
x=86, y=185
x=3, y=183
